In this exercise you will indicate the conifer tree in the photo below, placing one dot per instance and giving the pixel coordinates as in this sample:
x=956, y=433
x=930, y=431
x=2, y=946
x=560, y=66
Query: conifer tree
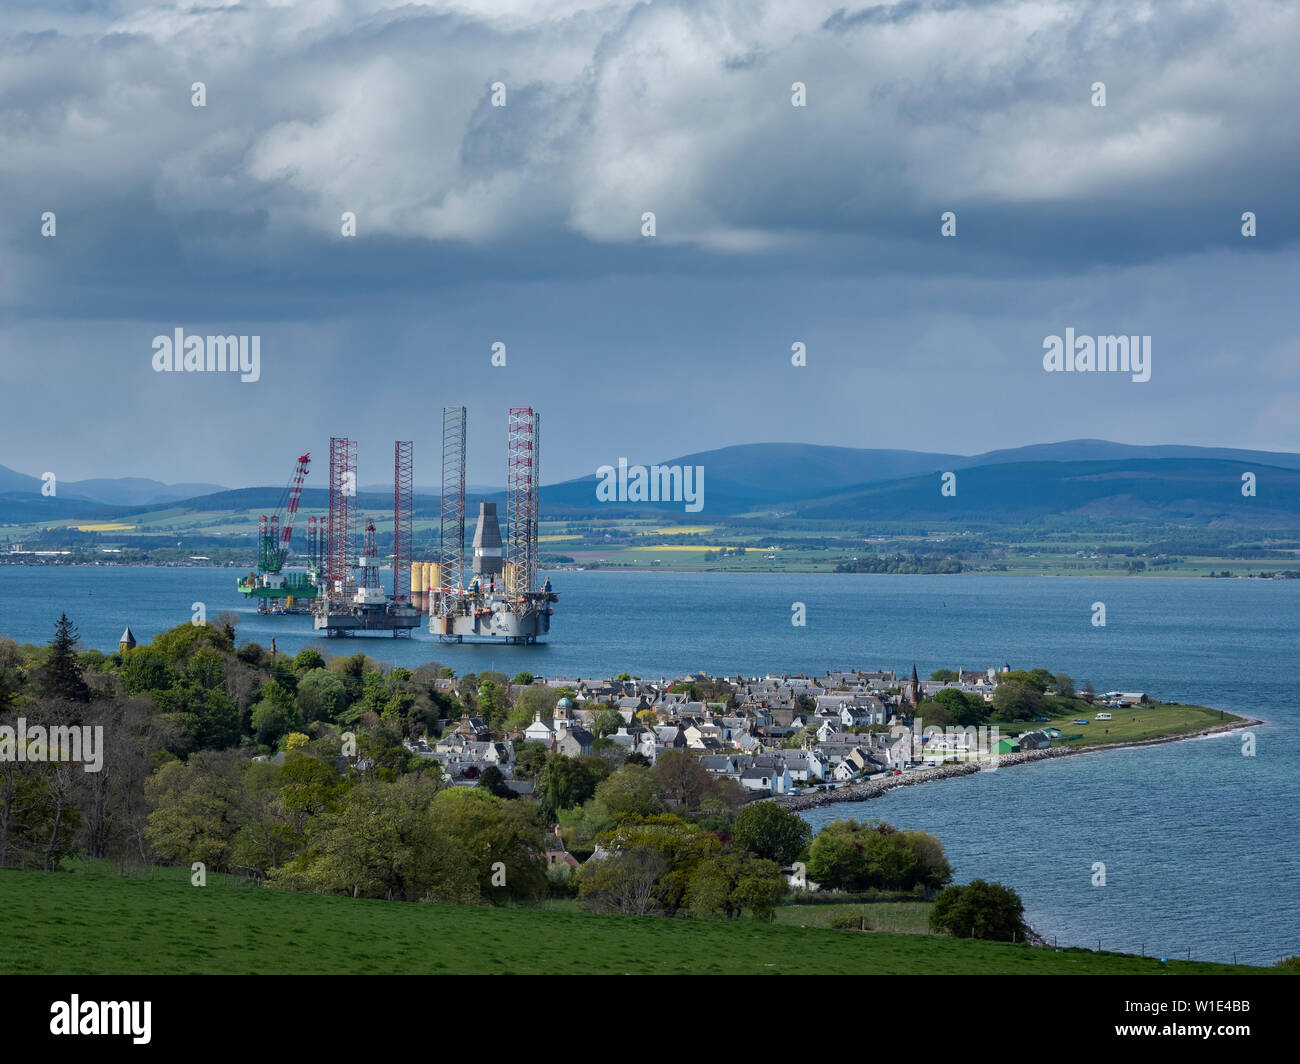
x=61, y=677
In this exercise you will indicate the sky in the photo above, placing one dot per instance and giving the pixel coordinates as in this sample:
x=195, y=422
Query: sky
x=522, y=224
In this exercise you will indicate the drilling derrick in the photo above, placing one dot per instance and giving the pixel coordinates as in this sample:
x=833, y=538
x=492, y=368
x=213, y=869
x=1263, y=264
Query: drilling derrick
x=403, y=508
x=313, y=545
x=451, y=530
x=521, y=501
x=370, y=591
x=340, y=545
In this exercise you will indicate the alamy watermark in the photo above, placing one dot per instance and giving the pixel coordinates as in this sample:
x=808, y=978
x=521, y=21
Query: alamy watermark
x=77, y=1017
x=179, y=353
x=1101, y=354
x=962, y=744
x=657, y=483
x=61, y=742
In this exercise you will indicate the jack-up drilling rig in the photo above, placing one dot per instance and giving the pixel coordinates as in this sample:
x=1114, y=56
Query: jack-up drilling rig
x=502, y=601
x=353, y=597
x=275, y=590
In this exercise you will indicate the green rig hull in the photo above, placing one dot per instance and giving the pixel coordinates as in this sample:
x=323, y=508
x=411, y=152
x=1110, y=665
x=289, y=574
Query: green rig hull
x=277, y=589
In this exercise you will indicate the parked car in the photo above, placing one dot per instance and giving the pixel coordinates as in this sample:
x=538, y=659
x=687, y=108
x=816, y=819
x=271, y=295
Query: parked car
x=1080, y=720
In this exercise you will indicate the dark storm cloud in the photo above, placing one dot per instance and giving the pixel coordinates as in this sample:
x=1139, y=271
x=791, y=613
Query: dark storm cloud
x=522, y=223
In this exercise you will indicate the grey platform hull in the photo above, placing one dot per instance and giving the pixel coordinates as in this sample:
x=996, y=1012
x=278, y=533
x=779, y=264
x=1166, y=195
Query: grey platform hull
x=497, y=626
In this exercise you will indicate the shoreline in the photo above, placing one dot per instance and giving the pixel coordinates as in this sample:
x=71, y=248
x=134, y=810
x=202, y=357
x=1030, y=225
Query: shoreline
x=863, y=792
x=1177, y=574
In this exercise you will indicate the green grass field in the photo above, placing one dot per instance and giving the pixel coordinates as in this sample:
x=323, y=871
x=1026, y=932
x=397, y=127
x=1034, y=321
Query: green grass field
x=897, y=917
x=90, y=921
x=1133, y=724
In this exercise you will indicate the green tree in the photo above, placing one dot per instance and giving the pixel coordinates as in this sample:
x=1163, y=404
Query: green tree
x=979, y=910
x=853, y=856
x=536, y=701
x=384, y=842
x=967, y=710
x=273, y=715
x=629, y=791
x=934, y=712
x=218, y=721
x=199, y=806
x=932, y=870
x=207, y=669
x=503, y=842
x=145, y=669
x=530, y=759
x=768, y=831
x=727, y=884
x=492, y=703
x=607, y=722
x=12, y=672
x=307, y=659
x=321, y=695
x=1017, y=700
x=566, y=781
x=60, y=677
x=494, y=782
x=678, y=847
x=179, y=643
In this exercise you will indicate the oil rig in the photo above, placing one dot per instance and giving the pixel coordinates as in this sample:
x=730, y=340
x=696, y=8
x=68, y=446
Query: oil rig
x=496, y=600
x=276, y=590
x=352, y=596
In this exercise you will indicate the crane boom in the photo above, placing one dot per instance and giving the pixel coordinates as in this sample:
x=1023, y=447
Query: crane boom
x=295, y=496
x=274, y=534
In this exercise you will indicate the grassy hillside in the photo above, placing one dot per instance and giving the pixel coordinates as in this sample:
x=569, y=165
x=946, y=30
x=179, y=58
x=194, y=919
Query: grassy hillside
x=92, y=922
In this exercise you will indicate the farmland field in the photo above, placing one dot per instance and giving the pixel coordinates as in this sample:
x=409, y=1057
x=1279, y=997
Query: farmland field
x=91, y=921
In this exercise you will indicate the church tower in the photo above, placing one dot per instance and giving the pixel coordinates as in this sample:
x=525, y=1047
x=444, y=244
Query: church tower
x=914, y=689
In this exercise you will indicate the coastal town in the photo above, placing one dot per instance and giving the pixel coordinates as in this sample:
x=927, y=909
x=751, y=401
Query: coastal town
x=772, y=735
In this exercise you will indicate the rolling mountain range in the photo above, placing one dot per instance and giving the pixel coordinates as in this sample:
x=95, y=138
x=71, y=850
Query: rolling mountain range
x=110, y=491
x=1076, y=479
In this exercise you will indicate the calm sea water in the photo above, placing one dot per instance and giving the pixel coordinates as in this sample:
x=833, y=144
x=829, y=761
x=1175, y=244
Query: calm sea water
x=1201, y=844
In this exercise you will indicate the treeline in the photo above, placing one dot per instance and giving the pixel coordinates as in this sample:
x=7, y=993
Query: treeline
x=901, y=563
x=1020, y=695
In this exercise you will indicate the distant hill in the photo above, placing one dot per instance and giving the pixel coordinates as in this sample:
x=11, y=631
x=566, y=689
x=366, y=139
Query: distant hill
x=111, y=491
x=1170, y=490
x=23, y=507
x=1105, y=451
x=1092, y=476
x=1073, y=478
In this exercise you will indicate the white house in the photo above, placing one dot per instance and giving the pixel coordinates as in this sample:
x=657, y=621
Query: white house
x=775, y=779
x=540, y=731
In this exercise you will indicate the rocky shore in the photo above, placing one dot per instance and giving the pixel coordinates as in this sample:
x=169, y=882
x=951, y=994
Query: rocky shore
x=862, y=792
